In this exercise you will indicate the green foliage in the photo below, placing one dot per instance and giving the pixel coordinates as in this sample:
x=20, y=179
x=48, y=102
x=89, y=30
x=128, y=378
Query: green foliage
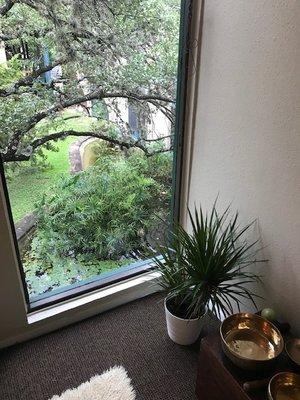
x=158, y=167
x=102, y=213
x=63, y=272
x=208, y=266
x=94, y=221
x=28, y=180
x=113, y=48
x=99, y=110
x=119, y=46
x=10, y=71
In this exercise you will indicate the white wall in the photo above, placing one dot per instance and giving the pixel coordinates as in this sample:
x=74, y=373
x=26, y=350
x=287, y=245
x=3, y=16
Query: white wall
x=247, y=143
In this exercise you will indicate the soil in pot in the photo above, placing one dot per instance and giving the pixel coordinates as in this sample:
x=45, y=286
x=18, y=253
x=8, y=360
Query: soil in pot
x=181, y=309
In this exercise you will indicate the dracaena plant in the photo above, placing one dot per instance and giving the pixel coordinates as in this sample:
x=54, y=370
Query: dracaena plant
x=210, y=266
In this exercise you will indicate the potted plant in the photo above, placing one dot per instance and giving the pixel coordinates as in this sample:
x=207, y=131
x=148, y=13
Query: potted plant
x=208, y=267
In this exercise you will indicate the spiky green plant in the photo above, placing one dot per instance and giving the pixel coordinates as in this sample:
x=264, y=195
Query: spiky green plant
x=209, y=266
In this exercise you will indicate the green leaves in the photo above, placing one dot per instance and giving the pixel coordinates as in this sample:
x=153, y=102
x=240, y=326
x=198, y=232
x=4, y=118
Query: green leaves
x=209, y=265
x=117, y=46
x=10, y=71
x=102, y=214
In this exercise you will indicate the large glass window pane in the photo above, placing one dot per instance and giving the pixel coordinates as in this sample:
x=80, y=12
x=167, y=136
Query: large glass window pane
x=87, y=114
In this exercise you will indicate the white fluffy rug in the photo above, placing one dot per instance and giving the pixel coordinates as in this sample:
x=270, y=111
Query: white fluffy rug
x=113, y=384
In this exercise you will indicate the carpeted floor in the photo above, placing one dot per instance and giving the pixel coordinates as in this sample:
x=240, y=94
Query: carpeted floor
x=133, y=335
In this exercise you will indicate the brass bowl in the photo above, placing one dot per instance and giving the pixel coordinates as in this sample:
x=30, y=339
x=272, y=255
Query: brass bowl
x=250, y=341
x=284, y=386
x=292, y=347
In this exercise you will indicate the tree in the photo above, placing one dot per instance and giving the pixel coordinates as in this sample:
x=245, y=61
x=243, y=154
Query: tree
x=106, y=49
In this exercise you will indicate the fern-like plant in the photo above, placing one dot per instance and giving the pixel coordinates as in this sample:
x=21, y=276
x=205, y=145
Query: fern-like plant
x=209, y=266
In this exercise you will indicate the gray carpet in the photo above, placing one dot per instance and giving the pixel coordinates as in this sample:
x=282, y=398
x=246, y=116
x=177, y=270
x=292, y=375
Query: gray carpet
x=133, y=335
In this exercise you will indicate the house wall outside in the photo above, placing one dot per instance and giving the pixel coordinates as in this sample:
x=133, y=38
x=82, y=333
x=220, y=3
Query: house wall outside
x=159, y=126
x=122, y=115
x=247, y=136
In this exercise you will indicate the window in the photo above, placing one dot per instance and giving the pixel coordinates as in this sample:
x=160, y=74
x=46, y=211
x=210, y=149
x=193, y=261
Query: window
x=91, y=138
x=133, y=122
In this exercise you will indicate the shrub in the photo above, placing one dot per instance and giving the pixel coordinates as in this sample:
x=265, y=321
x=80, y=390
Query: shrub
x=158, y=167
x=104, y=212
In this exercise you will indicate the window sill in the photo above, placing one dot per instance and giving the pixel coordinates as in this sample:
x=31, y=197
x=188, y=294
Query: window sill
x=86, y=305
x=117, y=293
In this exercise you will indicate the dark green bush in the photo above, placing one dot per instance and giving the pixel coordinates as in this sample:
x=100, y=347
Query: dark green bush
x=104, y=212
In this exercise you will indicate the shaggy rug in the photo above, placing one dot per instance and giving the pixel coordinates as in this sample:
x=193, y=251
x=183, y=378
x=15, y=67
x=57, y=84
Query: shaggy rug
x=113, y=384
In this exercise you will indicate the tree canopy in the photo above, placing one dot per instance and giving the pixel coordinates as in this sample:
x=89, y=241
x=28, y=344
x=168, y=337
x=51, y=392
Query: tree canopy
x=105, y=50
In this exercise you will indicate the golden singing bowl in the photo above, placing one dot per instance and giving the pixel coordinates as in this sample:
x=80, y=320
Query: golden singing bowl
x=250, y=341
x=292, y=348
x=284, y=386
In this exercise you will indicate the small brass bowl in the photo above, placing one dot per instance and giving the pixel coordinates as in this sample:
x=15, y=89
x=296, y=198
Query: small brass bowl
x=250, y=341
x=292, y=347
x=284, y=386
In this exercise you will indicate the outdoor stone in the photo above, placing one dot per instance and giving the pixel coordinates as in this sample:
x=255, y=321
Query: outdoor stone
x=24, y=228
x=76, y=152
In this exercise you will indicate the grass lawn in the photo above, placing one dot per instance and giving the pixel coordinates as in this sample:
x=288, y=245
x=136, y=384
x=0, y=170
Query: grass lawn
x=28, y=186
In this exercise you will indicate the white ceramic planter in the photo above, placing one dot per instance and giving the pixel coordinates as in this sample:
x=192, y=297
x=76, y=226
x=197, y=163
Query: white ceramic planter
x=183, y=331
